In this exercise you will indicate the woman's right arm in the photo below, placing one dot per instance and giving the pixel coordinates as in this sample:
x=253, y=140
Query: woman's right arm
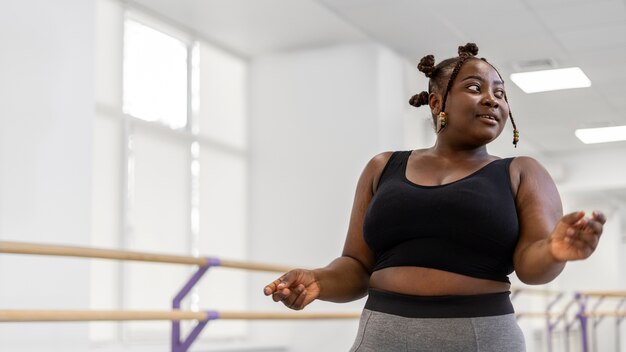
x=347, y=277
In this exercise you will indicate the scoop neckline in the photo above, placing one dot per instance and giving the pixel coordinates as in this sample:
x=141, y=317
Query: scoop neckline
x=406, y=179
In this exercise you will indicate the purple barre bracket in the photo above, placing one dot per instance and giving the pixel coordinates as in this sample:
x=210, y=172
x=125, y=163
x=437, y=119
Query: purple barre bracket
x=177, y=344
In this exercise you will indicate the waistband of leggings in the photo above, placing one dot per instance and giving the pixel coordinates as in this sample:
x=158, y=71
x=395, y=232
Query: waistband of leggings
x=457, y=306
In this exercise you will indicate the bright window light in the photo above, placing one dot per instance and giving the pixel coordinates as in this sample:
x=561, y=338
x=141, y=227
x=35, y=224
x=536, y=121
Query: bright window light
x=601, y=134
x=155, y=75
x=547, y=80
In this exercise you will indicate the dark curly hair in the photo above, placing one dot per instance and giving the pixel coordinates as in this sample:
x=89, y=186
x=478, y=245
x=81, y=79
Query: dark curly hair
x=443, y=75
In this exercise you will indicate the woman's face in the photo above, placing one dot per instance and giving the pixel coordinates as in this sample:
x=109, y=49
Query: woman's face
x=476, y=109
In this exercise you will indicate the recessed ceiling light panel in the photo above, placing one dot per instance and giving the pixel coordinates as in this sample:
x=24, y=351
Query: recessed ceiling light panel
x=548, y=80
x=601, y=134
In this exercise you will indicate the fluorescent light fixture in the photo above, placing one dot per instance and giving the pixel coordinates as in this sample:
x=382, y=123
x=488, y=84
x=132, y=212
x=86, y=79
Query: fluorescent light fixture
x=547, y=80
x=601, y=134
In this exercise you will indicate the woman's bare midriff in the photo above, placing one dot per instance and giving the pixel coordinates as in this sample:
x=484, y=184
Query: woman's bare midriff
x=420, y=281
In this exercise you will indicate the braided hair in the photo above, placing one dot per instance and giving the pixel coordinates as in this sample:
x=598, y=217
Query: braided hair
x=449, y=69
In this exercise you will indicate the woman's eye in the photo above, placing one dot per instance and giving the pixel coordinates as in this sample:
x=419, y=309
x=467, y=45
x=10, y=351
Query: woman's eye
x=499, y=94
x=474, y=88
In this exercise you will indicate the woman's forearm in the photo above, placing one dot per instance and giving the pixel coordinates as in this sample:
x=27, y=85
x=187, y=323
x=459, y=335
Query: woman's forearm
x=345, y=279
x=537, y=265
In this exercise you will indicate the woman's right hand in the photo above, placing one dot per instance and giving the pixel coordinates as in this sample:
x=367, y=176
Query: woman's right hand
x=296, y=289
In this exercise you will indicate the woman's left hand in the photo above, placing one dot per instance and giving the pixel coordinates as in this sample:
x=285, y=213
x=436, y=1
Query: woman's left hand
x=575, y=237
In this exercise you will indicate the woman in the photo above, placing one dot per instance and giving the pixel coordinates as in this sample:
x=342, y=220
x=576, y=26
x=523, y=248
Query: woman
x=434, y=233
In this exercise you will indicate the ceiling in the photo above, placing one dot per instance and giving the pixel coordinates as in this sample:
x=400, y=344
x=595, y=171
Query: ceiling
x=590, y=34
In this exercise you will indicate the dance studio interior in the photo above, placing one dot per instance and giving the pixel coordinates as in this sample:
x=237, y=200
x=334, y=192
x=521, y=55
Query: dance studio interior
x=160, y=157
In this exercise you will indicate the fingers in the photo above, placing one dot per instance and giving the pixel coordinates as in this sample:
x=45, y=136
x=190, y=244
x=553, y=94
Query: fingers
x=295, y=289
x=598, y=216
x=593, y=227
x=585, y=232
x=280, y=288
x=576, y=237
x=294, y=299
x=273, y=286
x=585, y=238
x=299, y=302
x=572, y=218
x=578, y=224
x=569, y=223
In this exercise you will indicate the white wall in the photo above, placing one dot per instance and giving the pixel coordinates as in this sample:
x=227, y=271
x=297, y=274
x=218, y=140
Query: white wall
x=46, y=114
x=317, y=117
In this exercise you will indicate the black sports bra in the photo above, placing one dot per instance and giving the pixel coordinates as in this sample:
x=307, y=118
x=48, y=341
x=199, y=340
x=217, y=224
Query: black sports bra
x=468, y=226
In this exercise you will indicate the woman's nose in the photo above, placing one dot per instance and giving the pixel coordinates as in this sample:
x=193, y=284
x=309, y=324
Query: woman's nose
x=490, y=101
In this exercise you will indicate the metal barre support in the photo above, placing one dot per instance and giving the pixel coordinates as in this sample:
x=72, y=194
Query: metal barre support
x=551, y=325
x=618, y=322
x=582, y=318
x=177, y=344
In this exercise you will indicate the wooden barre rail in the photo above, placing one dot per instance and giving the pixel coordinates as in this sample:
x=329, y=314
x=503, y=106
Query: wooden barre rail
x=534, y=291
x=608, y=313
x=7, y=316
x=611, y=294
x=173, y=315
x=539, y=314
x=86, y=252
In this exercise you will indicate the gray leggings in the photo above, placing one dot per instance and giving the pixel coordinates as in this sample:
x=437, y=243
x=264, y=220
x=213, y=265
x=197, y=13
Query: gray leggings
x=383, y=332
x=393, y=322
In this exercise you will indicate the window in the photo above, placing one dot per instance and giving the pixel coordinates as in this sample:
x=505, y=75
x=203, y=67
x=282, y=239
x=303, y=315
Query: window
x=170, y=170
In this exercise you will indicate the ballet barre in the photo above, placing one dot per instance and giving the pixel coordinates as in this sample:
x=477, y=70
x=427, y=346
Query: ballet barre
x=595, y=316
x=582, y=315
x=178, y=344
x=114, y=254
x=551, y=317
x=21, y=315
x=533, y=291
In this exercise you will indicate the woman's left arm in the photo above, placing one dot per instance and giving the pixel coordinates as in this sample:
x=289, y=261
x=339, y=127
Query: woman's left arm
x=547, y=238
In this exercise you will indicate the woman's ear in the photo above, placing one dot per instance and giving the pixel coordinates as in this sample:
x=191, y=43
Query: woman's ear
x=434, y=101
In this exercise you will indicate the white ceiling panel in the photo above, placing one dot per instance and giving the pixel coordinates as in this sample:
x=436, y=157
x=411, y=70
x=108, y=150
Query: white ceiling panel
x=551, y=4
x=470, y=19
x=261, y=26
x=351, y=5
x=476, y=7
x=583, y=15
x=616, y=98
x=506, y=54
x=405, y=26
x=603, y=65
x=602, y=36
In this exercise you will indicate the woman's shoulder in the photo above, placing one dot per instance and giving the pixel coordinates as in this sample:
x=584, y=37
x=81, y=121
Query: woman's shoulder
x=526, y=167
x=380, y=160
x=525, y=163
x=377, y=164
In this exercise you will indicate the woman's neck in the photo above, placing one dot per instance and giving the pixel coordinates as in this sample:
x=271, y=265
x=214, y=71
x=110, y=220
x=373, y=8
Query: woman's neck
x=453, y=152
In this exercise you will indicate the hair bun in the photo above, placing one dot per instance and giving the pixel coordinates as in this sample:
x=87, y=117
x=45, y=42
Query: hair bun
x=419, y=99
x=469, y=49
x=427, y=65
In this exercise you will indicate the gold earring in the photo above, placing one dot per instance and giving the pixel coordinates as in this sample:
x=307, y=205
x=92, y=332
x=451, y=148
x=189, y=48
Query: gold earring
x=441, y=121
